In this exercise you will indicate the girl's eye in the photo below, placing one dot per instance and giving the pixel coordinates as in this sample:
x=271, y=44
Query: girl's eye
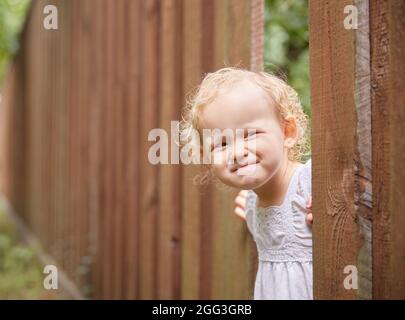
x=220, y=146
x=251, y=134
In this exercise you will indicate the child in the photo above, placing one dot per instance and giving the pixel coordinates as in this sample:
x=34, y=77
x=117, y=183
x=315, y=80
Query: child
x=278, y=200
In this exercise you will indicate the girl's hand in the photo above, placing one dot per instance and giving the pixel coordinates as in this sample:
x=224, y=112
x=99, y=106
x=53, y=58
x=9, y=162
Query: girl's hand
x=240, y=204
x=309, y=217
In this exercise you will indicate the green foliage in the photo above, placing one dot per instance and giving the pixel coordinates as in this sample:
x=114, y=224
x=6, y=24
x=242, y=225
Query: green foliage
x=21, y=274
x=12, y=15
x=286, y=44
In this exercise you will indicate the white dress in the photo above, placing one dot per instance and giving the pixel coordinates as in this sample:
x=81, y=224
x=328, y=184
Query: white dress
x=284, y=241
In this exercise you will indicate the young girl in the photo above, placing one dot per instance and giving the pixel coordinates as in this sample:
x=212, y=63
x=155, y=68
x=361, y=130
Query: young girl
x=277, y=205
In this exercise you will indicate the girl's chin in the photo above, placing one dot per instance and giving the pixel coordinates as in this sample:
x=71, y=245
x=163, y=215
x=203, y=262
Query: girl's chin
x=247, y=182
x=248, y=170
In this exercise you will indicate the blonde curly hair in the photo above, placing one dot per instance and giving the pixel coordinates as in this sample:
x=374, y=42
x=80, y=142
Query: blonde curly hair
x=285, y=97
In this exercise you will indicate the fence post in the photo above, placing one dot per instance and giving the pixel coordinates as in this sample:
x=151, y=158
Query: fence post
x=356, y=171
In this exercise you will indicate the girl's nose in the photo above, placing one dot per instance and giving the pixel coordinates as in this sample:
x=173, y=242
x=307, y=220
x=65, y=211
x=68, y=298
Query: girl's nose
x=241, y=154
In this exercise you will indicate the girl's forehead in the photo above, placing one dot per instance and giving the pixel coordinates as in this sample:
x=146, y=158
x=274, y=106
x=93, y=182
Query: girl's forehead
x=238, y=108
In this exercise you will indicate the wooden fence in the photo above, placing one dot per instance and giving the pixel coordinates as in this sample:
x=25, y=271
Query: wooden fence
x=78, y=104
x=358, y=101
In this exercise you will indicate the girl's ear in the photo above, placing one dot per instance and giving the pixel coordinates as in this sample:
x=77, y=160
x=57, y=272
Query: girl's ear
x=290, y=131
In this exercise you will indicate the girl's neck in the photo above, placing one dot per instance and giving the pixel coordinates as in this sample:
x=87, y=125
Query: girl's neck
x=273, y=192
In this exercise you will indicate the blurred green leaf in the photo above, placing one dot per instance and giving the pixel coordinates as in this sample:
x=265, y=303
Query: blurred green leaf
x=21, y=272
x=12, y=16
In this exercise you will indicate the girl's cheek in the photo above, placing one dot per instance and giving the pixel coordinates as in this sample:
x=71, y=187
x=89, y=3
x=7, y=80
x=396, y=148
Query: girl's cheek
x=261, y=148
x=218, y=158
x=215, y=158
x=219, y=170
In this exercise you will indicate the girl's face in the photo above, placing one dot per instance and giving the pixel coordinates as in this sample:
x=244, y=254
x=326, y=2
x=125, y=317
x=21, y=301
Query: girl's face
x=251, y=146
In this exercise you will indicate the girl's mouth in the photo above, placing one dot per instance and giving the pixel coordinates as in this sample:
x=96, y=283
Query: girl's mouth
x=246, y=169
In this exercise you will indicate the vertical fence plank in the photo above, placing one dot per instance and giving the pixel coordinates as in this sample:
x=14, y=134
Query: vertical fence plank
x=381, y=145
x=336, y=239
x=221, y=59
x=133, y=145
x=170, y=187
x=397, y=33
x=191, y=209
x=92, y=260
x=106, y=234
x=206, y=197
x=257, y=35
x=34, y=77
x=149, y=113
x=363, y=188
x=387, y=65
x=119, y=180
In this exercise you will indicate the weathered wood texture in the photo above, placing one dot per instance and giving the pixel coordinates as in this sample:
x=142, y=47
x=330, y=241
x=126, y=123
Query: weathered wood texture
x=78, y=104
x=388, y=107
x=358, y=114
